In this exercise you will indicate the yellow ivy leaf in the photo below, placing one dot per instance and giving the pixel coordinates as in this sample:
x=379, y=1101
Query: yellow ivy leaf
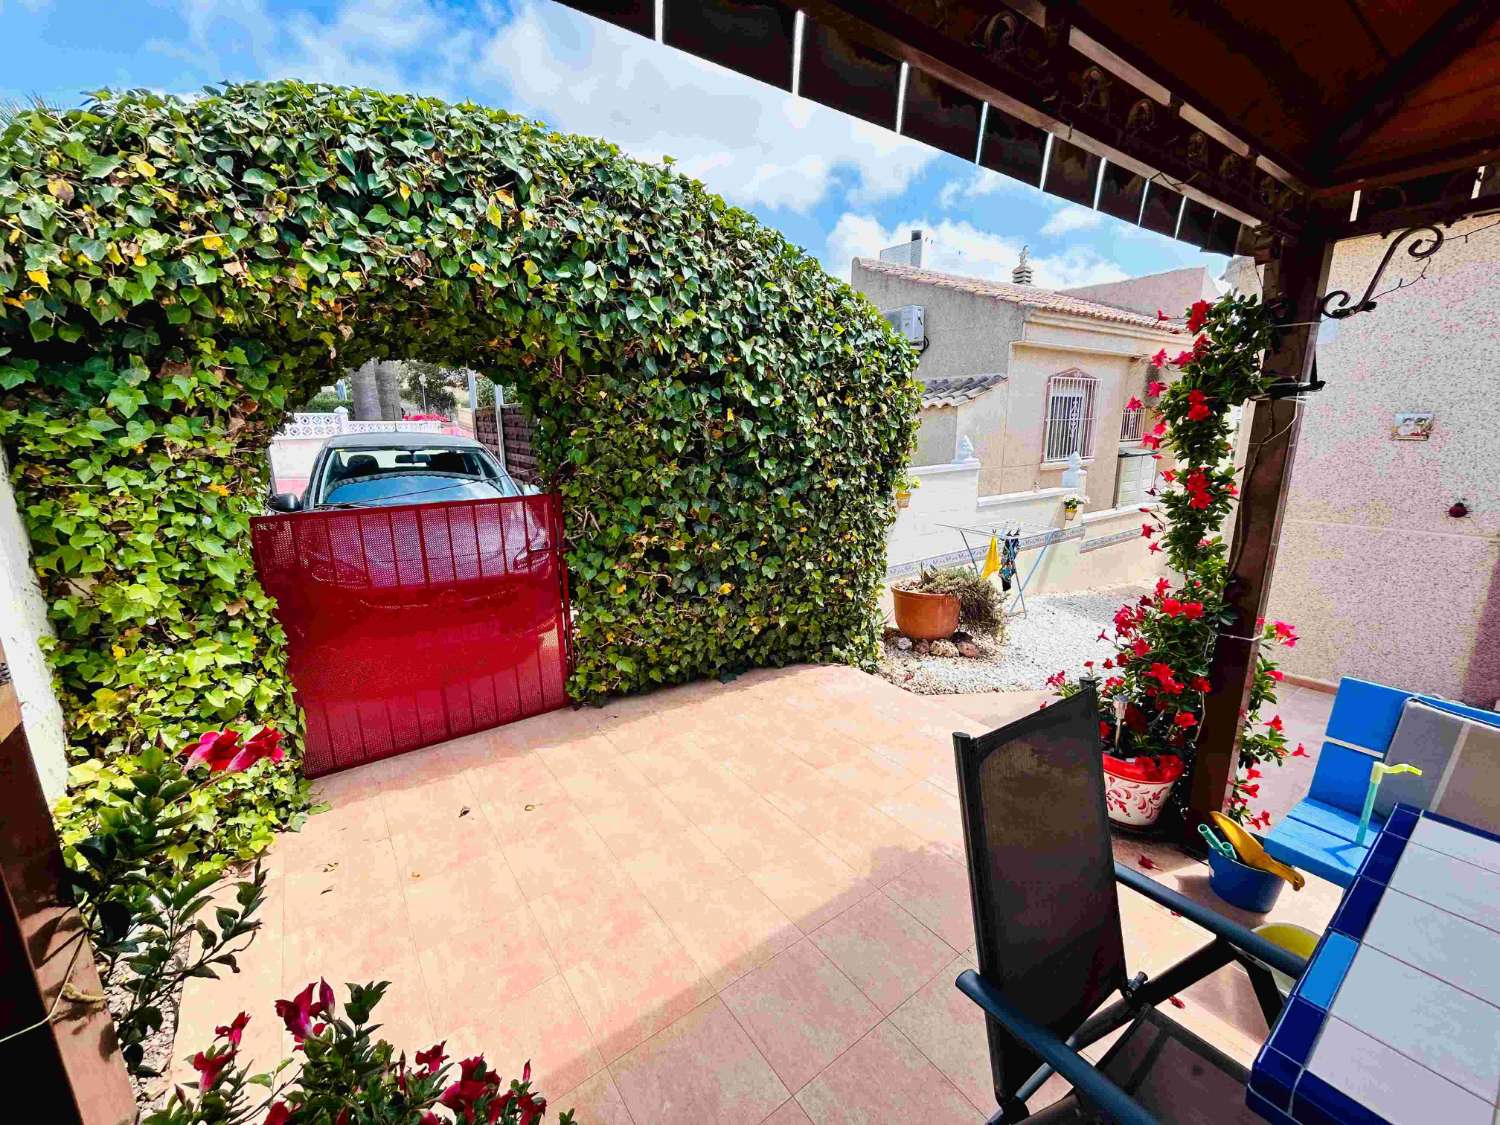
x=40, y=278
x=143, y=166
x=213, y=242
x=117, y=652
x=476, y=267
x=404, y=190
x=726, y=588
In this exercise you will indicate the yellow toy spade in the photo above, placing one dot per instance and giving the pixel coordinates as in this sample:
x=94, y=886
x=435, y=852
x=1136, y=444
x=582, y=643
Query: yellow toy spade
x=1252, y=854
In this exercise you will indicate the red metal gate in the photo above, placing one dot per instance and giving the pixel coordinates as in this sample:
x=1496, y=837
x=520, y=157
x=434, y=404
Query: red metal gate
x=414, y=624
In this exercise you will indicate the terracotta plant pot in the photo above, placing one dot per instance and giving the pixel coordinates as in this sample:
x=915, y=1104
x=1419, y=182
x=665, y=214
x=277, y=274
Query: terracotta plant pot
x=925, y=617
x=1135, y=789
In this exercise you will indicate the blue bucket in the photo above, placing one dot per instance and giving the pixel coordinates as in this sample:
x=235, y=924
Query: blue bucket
x=1249, y=888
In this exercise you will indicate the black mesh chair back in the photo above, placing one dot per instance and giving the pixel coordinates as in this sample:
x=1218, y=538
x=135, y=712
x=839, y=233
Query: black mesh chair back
x=1041, y=873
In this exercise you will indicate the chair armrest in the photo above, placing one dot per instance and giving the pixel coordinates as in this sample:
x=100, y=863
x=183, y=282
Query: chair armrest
x=1094, y=1087
x=1214, y=922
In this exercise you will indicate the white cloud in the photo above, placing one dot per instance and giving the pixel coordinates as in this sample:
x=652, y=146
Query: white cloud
x=1071, y=218
x=960, y=247
x=747, y=140
x=750, y=142
x=979, y=183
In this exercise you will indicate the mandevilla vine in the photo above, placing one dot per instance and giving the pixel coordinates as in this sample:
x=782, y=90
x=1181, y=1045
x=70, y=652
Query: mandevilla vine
x=1151, y=692
x=724, y=422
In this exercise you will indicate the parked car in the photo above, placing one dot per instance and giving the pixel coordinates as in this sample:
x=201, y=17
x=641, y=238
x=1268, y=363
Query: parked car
x=372, y=470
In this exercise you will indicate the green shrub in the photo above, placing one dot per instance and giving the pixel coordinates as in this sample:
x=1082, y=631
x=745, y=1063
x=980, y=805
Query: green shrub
x=723, y=421
x=981, y=605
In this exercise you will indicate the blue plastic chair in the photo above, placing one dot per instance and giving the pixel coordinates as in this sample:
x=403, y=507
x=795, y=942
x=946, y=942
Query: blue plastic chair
x=1321, y=832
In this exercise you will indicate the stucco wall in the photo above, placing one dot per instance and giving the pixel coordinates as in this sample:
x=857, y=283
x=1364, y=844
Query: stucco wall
x=1382, y=581
x=23, y=624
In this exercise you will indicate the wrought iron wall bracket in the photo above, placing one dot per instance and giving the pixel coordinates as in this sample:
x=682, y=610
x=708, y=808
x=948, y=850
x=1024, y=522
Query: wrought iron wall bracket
x=1421, y=242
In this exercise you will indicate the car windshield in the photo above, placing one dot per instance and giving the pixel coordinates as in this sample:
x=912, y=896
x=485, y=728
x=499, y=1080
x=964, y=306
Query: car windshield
x=401, y=475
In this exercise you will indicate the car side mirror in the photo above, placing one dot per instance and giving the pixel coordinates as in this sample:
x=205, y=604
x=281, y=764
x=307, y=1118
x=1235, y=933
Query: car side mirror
x=285, y=502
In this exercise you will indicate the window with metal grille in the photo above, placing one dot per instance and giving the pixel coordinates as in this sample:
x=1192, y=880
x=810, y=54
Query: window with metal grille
x=1131, y=422
x=1070, y=416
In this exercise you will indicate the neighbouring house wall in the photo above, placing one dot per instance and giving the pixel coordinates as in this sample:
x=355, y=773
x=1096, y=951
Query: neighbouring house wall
x=968, y=334
x=937, y=436
x=1381, y=581
x=1170, y=292
x=1049, y=351
x=23, y=625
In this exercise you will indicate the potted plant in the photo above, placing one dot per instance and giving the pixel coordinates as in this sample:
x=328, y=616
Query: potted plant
x=906, y=484
x=931, y=606
x=1137, y=775
x=1071, y=504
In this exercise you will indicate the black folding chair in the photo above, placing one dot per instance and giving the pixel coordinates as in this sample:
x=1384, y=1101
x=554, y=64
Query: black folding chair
x=1051, y=950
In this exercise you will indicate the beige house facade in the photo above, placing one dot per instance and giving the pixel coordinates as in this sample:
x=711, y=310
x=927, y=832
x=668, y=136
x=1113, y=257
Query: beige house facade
x=1026, y=395
x=1382, y=581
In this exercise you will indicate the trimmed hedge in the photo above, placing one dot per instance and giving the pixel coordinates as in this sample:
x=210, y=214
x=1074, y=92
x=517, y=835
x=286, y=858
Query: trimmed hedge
x=724, y=421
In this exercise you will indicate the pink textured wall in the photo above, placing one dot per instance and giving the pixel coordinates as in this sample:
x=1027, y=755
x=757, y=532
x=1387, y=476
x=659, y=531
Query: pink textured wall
x=1383, y=583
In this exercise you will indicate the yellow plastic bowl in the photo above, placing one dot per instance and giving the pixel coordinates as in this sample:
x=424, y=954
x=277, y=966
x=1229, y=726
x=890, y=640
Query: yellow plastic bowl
x=1296, y=939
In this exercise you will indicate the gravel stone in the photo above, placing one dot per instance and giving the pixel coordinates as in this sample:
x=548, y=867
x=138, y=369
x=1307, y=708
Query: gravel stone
x=943, y=648
x=1056, y=631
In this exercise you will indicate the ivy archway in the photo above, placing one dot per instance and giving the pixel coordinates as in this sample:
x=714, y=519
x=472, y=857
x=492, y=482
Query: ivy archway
x=723, y=420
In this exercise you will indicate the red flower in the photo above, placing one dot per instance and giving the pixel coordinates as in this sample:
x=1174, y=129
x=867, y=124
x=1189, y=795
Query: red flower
x=1156, y=386
x=1261, y=819
x=474, y=1083
x=1183, y=359
x=1185, y=719
x=1103, y=636
x=1171, y=607
x=1140, y=647
x=1197, y=412
x=299, y=1012
x=234, y=1030
x=1134, y=403
x=1108, y=663
x=1250, y=790
x=432, y=1058
x=215, y=749
x=1162, y=586
x=1198, y=315
x=1164, y=675
x=1251, y=774
x=1192, y=610
x=1151, y=441
x=1300, y=752
x=1200, y=683
x=1153, y=547
x=1147, y=862
x=1161, y=315
x=280, y=1115
x=1057, y=679
x=1275, y=723
x=1277, y=675
x=1176, y=1003
x=210, y=1064
x=1285, y=633
x=1104, y=731
x=1147, y=531
x=264, y=743
x=1169, y=475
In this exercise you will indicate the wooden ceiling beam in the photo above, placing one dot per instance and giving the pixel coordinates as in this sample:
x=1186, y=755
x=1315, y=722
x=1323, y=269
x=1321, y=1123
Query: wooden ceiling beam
x=1436, y=48
x=1039, y=85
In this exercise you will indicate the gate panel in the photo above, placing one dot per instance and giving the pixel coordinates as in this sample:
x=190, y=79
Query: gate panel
x=415, y=624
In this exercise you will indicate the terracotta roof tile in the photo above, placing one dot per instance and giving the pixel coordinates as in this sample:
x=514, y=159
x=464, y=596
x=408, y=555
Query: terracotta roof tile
x=951, y=392
x=1047, y=299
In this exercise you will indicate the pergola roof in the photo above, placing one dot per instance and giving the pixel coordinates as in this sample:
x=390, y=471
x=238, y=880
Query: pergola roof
x=1188, y=119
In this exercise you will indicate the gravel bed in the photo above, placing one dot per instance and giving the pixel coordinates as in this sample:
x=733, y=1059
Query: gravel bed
x=1057, y=631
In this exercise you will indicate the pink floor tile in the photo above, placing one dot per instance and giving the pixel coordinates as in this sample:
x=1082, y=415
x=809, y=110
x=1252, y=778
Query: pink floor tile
x=935, y=890
x=596, y=1101
x=701, y=1068
x=543, y=1027
x=813, y=887
x=884, y=1078
x=948, y=1027
x=800, y=1011
x=883, y=949
x=472, y=972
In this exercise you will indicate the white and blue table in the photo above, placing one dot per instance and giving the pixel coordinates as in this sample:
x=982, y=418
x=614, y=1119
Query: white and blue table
x=1397, y=1018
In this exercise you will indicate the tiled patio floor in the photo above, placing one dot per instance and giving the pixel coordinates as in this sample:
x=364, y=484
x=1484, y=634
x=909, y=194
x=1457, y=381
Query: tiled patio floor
x=735, y=903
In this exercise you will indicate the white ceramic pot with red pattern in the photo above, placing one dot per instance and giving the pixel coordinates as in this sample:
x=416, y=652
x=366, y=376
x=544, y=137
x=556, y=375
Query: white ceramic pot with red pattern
x=1135, y=789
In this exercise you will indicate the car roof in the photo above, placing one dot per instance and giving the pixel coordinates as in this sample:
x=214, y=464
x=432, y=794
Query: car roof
x=404, y=439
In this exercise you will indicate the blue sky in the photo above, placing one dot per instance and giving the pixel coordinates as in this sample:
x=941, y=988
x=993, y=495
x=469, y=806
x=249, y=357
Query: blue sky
x=835, y=186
